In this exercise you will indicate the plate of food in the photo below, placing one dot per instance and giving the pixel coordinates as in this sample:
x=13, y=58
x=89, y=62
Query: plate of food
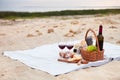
x=71, y=57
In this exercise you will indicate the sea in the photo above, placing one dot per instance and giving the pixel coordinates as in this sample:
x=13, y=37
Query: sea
x=48, y=9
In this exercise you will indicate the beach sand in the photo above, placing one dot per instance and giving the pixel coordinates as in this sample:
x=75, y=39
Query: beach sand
x=22, y=34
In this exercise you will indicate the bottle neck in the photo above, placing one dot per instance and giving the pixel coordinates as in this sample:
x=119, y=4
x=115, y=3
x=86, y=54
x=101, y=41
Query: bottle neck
x=100, y=30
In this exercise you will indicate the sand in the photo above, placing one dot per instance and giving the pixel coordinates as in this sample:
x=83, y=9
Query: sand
x=22, y=34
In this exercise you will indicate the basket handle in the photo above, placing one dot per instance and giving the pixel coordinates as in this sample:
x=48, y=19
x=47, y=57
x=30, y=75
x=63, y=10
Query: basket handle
x=95, y=37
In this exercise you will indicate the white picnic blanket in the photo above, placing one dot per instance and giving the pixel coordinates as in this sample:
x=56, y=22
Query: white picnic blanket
x=45, y=58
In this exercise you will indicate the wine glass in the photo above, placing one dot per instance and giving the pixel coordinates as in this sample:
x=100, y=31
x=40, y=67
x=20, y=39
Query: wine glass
x=69, y=46
x=61, y=45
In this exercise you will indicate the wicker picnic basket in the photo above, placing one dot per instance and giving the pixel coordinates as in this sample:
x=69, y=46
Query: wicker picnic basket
x=94, y=55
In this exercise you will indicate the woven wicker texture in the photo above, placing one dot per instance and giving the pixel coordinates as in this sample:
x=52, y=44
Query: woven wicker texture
x=94, y=55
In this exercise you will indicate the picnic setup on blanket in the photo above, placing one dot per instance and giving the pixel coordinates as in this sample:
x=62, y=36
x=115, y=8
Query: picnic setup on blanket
x=88, y=51
x=56, y=60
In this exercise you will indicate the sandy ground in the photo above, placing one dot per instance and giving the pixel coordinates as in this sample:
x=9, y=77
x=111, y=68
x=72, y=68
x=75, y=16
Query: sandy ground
x=24, y=34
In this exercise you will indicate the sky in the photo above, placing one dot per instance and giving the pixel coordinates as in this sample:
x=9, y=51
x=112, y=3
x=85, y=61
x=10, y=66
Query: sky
x=27, y=5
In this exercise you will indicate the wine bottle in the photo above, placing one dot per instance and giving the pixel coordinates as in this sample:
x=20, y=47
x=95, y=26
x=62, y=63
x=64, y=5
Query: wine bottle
x=100, y=38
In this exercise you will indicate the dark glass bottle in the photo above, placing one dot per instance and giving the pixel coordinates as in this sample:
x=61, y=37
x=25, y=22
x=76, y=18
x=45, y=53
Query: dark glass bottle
x=100, y=38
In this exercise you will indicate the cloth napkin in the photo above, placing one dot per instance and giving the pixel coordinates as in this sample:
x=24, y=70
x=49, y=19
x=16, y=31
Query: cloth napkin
x=45, y=58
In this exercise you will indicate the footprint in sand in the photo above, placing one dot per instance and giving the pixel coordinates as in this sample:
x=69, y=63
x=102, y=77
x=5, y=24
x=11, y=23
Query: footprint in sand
x=38, y=32
x=75, y=22
x=34, y=35
x=71, y=33
x=2, y=75
x=113, y=27
x=111, y=37
x=2, y=34
x=50, y=30
x=30, y=35
x=55, y=26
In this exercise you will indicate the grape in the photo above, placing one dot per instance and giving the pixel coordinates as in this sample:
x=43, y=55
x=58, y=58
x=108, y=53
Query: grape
x=89, y=40
x=91, y=48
